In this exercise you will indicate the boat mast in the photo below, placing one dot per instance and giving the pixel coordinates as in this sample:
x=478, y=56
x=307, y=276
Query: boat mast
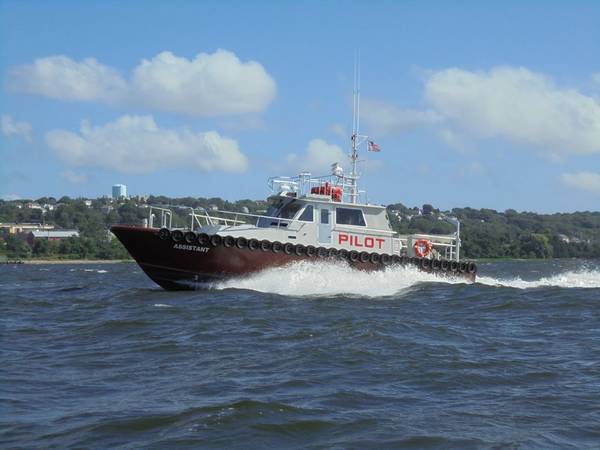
x=355, y=124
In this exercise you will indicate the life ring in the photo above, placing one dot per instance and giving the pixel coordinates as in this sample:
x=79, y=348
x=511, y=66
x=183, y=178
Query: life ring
x=276, y=247
x=228, y=241
x=164, y=233
x=422, y=253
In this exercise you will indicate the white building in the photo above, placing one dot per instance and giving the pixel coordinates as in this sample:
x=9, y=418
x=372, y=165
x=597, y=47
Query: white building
x=119, y=191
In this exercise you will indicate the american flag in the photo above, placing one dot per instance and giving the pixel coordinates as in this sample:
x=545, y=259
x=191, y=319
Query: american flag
x=373, y=147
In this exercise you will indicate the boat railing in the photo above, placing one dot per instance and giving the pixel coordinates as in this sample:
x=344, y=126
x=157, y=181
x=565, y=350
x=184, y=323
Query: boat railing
x=200, y=217
x=447, y=246
x=305, y=184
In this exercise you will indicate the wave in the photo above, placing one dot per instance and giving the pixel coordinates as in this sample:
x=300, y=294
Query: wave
x=572, y=279
x=327, y=279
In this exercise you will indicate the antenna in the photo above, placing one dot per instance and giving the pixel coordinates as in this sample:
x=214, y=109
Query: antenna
x=355, y=125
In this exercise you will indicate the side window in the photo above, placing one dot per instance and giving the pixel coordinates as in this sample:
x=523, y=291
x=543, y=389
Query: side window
x=347, y=216
x=324, y=216
x=307, y=214
x=290, y=210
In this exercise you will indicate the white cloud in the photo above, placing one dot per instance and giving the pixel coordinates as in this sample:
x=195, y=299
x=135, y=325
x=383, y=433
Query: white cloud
x=208, y=85
x=62, y=78
x=135, y=144
x=585, y=181
x=11, y=197
x=383, y=118
x=10, y=127
x=318, y=157
x=516, y=104
x=74, y=177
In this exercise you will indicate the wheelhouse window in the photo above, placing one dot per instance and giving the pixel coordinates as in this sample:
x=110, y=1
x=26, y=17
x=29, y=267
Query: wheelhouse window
x=324, y=216
x=308, y=214
x=347, y=216
x=289, y=210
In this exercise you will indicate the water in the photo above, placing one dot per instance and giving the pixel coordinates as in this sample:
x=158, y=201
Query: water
x=97, y=356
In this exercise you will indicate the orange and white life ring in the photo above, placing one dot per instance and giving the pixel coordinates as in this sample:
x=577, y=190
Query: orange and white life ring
x=422, y=248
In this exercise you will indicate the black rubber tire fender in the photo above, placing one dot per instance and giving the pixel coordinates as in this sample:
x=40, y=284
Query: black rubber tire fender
x=215, y=240
x=228, y=241
x=462, y=267
x=396, y=260
x=363, y=257
x=425, y=263
x=342, y=253
x=322, y=252
x=203, y=239
x=453, y=266
x=472, y=267
x=300, y=250
x=311, y=251
x=241, y=242
x=436, y=264
x=190, y=237
x=177, y=235
x=265, y=245
x=253, y=244
x=353, y=256
x=288, y=248
x=277, y=247
x=332, y=253
x=445, y=265
x=164, y=234
x=374, y=258
x=386, y=259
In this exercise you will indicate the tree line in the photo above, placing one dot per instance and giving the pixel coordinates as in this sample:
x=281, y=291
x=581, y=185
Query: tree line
x=485, y=233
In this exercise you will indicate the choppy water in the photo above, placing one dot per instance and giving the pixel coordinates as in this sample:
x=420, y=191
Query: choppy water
x=97, y=356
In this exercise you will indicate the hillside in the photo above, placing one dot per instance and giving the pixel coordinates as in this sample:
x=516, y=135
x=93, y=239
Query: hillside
x=486, y=233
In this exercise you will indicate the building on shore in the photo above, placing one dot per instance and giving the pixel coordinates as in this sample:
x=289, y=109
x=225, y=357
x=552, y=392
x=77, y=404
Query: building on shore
x=119, y=191
x=50, y=235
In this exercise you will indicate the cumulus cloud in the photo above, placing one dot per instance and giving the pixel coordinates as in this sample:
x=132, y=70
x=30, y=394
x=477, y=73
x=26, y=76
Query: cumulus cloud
x=383, y=118
x=10, y=128
x=517, y=104
x=135, y=144
x=585, y=181
x=318, y=157
x=506, y=102
x=208, y=85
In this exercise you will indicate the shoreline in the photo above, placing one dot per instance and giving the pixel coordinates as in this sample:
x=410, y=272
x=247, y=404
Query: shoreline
x=66, y=261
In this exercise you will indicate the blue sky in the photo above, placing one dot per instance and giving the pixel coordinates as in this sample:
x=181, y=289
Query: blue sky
x=481, y=104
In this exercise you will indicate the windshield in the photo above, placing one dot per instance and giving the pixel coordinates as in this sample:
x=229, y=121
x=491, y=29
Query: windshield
x=287, y=211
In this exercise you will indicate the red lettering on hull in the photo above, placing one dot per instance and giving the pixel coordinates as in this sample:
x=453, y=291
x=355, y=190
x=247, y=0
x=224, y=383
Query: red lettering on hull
x=355, y=241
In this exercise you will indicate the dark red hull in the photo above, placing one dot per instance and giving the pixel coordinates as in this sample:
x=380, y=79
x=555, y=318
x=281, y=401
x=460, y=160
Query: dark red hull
x=178, y=265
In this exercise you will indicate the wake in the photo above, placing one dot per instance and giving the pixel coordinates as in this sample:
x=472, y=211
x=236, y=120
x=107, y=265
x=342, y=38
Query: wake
x=330, y=279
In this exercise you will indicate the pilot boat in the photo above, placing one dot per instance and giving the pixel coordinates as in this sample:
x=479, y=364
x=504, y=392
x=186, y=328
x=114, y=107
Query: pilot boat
x=318, y=219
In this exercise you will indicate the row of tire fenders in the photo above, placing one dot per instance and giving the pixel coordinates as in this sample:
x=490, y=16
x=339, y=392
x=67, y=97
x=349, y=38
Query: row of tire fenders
x=288, y=248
